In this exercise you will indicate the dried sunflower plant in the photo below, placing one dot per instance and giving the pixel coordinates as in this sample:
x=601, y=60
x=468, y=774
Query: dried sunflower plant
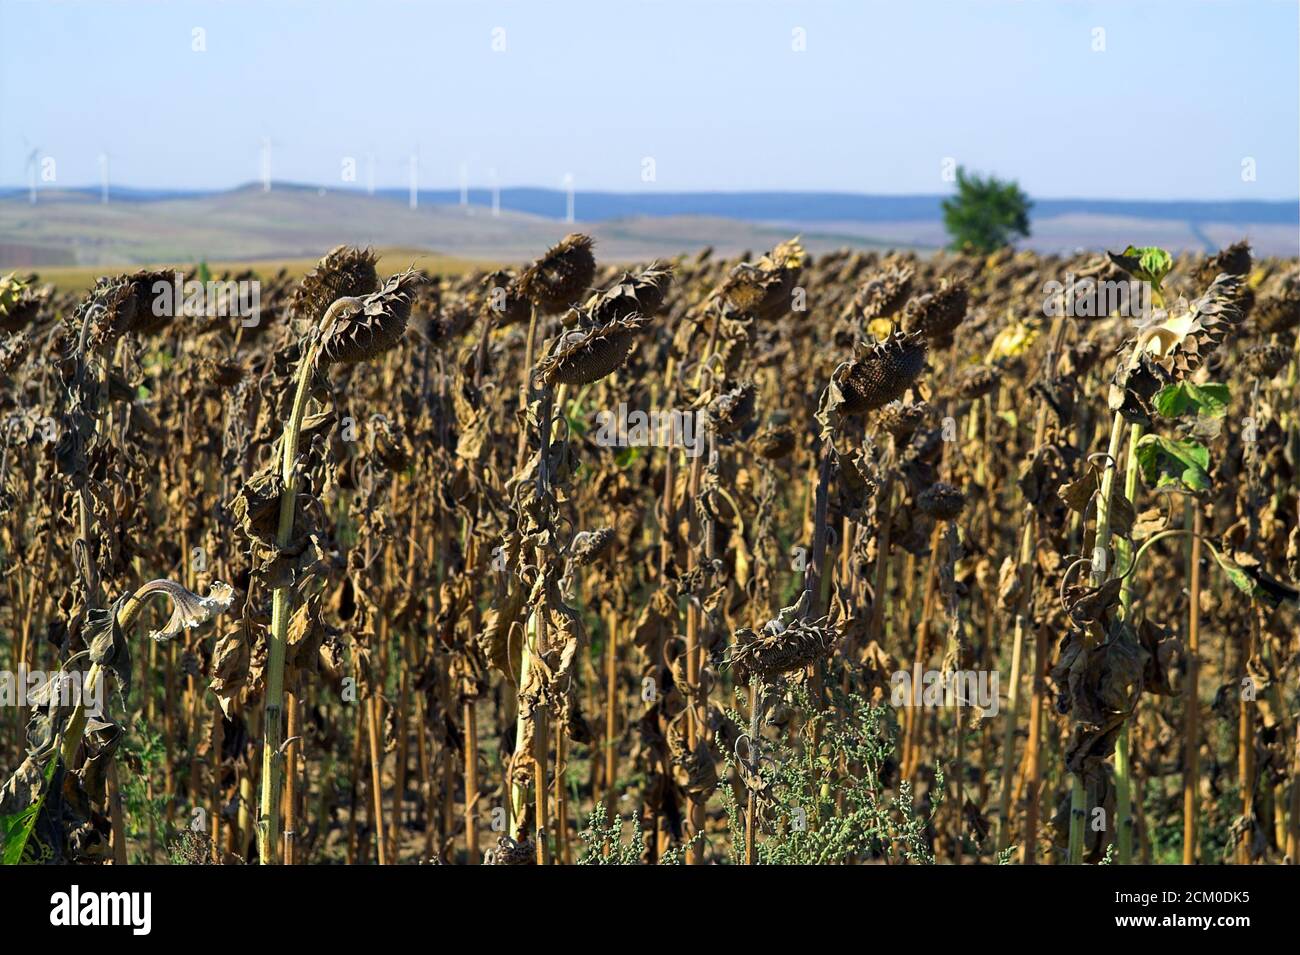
x=854, y=557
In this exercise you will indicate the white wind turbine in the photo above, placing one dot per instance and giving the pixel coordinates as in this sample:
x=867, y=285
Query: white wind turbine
x=103, y=176
x=32, y=158
x=266, y=163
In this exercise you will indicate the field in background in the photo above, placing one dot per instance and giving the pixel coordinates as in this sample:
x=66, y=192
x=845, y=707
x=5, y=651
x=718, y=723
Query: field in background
x=77, y=278
x=73, y=229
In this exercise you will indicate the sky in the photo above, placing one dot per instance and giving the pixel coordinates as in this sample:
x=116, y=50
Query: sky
x=1131, y=99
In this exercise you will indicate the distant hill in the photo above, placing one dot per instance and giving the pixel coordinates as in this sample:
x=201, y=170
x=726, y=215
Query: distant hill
x=71, y=227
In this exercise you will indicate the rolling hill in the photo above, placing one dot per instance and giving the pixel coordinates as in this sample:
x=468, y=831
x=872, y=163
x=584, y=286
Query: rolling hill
x=72, y=228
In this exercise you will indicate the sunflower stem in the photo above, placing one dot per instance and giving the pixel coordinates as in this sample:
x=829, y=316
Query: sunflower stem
x=1101, y=567
x=268, y=815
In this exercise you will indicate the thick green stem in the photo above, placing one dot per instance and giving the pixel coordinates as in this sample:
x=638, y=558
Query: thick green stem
x=268, y=812
x=1123, y=799
x=1101, y=551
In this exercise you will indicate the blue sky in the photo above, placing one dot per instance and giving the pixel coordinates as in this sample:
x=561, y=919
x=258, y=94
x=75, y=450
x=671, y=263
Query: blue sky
x=711, y=90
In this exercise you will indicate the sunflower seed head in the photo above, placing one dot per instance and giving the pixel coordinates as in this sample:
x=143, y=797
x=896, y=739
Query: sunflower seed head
x=561, y=276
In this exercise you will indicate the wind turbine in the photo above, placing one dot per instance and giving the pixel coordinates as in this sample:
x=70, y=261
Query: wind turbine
x=496, y=194
x=370, y=173
x=103, y=176
x=31, y=171
x=568, y=207
x=464, y=185
x=265, y=164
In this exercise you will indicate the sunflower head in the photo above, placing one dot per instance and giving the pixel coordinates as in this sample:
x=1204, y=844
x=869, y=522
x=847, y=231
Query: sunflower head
x=503, y=300
x=344, y=272
x=126, y=304
x=881, y=373
x=978, y=381
x=763, y=289
x=639, y=294
x=1266, y=359
x=561, y=276
x=1234, y=260
x=900, y=420
x=374, y=324
x=590, y=351
x=936, y=315
x=884, y=293
x=1172, y=345
x=941, y=501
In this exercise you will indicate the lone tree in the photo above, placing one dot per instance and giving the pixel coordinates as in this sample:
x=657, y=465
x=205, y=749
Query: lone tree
x=986, y=213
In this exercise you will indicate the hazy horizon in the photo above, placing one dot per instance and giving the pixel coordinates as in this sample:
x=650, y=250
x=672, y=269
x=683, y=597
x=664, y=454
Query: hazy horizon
x=478, y=193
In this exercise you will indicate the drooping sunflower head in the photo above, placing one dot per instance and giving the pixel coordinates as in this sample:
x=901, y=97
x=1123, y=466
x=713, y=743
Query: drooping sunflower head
x=942, y=501
x=900, y=420
x=344, y=272
x=20, y=303
x=127, y=304
x=881, y=373
x=13, y=349
x=590, y=351
x=780, y=648
x=775, y=442
x=1234, y=260
x=732, y=408
x=374, y=324
x=642, y=293
x=763, y=289
x=561, y=276
x=1181, y=338
x=1279, y=311
x=1172, y=345
x=588, y=546
x=503, y=300
x=936, y=315
x=884, y=293
x=1266, y=359
x=978, y=381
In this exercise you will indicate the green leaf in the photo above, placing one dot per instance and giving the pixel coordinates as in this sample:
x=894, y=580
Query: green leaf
x=1211, y=398
x=1204, y=401
x=16, y=829
x=1171, y=464
x=1172, y=400
x=1240, y=579
x=1249, y=576
x=1147, y=264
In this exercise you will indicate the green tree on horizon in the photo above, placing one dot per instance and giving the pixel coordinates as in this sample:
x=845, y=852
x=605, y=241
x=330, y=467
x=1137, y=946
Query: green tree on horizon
x=986, y=213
